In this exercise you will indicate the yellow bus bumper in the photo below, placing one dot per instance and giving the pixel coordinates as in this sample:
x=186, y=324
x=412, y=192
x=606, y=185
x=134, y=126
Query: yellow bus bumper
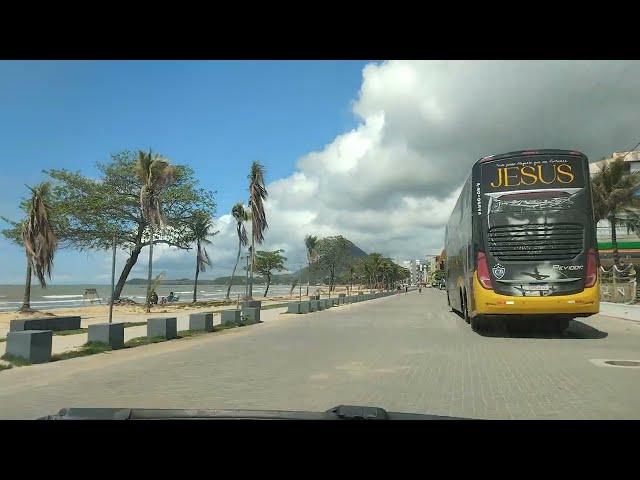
x=488, y=302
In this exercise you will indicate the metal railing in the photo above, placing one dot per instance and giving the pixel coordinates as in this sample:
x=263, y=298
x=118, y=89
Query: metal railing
x=618, y=284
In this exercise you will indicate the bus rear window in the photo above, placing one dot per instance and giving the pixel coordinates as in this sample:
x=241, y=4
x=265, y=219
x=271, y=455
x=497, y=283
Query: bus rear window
x=533, y=173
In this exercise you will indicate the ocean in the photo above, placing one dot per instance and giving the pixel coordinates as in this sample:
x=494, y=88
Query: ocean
x=64, y=296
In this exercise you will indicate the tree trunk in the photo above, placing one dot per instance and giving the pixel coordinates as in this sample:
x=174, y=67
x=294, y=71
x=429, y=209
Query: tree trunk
x=308, y=278
x=234, y=270
x=268, y=283
x=614, y=241
x=195, y=285
x=150, y=271
x=131, y=261
x=26, y=300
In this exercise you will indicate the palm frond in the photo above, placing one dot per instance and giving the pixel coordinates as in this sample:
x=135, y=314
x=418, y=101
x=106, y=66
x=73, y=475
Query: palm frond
x=38, y=237
x=257, y=194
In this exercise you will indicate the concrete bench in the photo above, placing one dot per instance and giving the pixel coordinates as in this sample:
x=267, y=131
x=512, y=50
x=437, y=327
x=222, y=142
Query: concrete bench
x=48, y=323
x=251, y=315
x=252, y=303
x=110, y=333
x=293, y=307
x=304, y=307
x=231, y=317
x=166, y=327
x=34, y=346
x=201, y=321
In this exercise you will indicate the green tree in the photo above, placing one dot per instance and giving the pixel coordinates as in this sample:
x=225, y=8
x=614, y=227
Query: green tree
x=311, y=244
x=240, y=215
x=333, y=257
x=615, y=197
x=268, y=262
x=89, y=212
x=257, y=195
x=36, y=234
x=201, y=228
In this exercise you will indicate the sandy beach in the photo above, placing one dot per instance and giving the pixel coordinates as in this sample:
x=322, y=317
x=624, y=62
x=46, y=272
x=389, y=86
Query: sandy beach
x=136, y=313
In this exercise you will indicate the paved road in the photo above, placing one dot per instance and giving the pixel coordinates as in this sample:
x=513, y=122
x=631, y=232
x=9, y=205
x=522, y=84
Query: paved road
x=403, y=353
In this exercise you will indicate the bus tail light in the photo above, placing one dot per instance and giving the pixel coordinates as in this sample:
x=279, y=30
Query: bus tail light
x=592, y=269
x=483, y=271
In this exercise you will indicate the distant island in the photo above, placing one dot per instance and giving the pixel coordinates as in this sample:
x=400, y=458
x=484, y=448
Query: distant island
x=282, y=279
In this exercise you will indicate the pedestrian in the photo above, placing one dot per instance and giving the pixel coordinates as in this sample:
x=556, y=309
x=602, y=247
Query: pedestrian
x=154, y=298
x=420, y=288
x=406, y=289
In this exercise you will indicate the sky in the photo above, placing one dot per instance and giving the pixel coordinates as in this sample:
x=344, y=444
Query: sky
x=375, y=151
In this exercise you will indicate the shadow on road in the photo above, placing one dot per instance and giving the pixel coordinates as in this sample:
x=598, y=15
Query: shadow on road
x=577, y=330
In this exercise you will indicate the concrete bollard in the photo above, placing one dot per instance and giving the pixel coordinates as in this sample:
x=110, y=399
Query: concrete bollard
x=252, y=304
x=304, y=307
x=251, y=315
x=34, y=346
x=293, y=307
x=110, y=333
x=230, y=317
x=201, y=321
x=166, y=327
x=49, y=323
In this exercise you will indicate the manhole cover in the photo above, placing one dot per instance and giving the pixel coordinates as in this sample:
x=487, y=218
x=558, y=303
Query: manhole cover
x=604, y=362
x=623, y=363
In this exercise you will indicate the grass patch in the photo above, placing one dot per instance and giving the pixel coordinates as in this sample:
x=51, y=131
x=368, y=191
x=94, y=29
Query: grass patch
x=225, y=327
x=15, y=361
x=70, y=332
x=3, y=339
x=89, y=348
x=136, y=342
x=5, y=367
x=191, y=333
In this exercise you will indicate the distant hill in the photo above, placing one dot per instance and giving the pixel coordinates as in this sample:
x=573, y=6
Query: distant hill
x=283, y=279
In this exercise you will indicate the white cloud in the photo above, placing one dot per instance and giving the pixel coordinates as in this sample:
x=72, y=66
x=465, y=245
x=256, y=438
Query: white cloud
x=390, y=183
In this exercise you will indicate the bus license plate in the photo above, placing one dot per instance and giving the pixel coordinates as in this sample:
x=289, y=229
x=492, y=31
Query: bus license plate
x=536, y=290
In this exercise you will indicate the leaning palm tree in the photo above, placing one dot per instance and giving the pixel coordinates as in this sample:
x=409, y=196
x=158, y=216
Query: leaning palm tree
x=201, y=227
x=257, y=195
x=615, y=198
x=240, y=215
x=311, y=243
x=156, y=173
x=39, y=240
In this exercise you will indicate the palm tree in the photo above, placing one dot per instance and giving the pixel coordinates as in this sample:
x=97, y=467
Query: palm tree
x=351, y=270
x=39, y=240
x=311, y=243
x=615, y=197
x=201, y=228
x=155, y=173
x=240, y=215
x=257, y=194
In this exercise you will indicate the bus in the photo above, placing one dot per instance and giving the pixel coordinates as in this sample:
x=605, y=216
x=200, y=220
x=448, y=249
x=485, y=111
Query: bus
x=521, y=243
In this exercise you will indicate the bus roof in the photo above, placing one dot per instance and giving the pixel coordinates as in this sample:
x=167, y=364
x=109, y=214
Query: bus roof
x=521, y=153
